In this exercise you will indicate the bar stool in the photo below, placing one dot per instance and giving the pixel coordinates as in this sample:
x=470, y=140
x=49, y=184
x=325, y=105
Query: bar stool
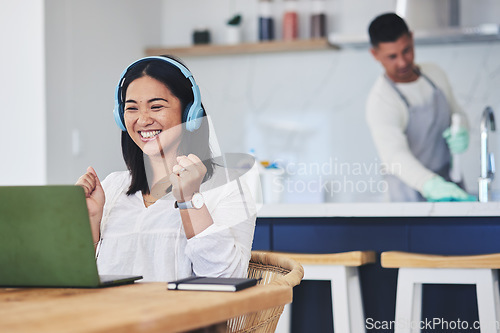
x=416, y=269
x=342, y=270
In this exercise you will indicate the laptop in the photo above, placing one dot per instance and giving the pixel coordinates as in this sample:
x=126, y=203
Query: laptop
x=46, y=241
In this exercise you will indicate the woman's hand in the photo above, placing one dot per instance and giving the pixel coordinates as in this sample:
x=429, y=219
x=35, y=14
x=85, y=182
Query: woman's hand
x=95, y=199
x=187, y=176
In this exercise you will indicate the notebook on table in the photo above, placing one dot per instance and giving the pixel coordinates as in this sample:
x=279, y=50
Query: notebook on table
x=46, y=240
x=212, y=283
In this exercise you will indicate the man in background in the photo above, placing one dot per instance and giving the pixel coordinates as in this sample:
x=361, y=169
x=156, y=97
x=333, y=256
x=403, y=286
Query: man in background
x=409, y=112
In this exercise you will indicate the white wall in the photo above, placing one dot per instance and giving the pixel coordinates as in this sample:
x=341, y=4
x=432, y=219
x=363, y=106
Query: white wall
x=182, y=17
x=22, y=93
x=89, y=43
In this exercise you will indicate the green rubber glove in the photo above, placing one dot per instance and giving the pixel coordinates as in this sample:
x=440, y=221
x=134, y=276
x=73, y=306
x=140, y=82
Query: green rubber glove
x=457, y=142
x=438, y=189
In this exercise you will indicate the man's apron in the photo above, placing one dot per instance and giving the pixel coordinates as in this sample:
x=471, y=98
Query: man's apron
x=426, y=124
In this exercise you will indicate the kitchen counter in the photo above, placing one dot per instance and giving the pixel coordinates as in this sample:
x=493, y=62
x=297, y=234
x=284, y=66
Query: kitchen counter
x=381, y=209
x=446, y=228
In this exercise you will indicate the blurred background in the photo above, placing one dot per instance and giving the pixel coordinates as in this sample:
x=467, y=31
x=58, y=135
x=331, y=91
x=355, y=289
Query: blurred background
x=61, y=60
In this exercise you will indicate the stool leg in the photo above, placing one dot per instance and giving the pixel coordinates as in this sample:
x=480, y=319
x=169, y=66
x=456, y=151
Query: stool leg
x=347, y=304
x=496, y=294
x=488, y=300
x=340, y=299
x=417, y=307
x=285, y=321
x=408, y=303
x=357, y=314
x=338, y=281
x=348, y=314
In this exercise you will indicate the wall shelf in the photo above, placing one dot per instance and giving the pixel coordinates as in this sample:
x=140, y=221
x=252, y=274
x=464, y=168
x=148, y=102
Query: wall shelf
x=244, y=48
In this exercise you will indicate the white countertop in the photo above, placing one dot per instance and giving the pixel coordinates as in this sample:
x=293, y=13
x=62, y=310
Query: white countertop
x=381, y=209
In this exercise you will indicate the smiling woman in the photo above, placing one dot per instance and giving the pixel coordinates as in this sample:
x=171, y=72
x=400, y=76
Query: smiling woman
x=159, y=96
x=162, y=219
x=151, y=109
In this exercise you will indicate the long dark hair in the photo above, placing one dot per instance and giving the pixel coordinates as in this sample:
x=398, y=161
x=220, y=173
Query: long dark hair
x=196, y=142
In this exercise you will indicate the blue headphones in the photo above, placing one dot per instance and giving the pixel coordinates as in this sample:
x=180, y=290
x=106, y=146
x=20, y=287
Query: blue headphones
x=191, y=116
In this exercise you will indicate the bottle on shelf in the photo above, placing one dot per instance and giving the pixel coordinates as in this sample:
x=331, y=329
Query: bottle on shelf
x=266, y=20
x=290, y=20
x=318, y=19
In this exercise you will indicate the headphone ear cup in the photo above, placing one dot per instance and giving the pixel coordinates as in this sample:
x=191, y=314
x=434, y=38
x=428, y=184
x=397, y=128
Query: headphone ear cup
x=193, y=117
x=117, y=111
x=118, y=117
x=185, y=114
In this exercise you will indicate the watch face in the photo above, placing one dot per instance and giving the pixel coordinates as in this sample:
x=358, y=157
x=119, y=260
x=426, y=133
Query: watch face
x=197, y=200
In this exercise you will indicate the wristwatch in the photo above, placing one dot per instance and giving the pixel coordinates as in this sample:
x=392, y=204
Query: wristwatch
x=196, y=202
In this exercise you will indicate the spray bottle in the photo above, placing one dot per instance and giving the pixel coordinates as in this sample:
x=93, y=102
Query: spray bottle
x=455, y=171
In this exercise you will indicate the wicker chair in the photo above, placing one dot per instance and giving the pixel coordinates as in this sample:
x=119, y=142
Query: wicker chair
x=272, y=269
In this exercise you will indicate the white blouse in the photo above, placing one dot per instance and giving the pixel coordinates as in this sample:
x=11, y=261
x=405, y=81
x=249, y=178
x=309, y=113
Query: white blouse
x=150, y=241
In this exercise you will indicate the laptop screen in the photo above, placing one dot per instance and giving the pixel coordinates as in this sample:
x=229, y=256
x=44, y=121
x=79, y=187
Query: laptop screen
x=45, y=237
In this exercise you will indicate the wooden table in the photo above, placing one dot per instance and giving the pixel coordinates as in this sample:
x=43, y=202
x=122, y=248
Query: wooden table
x=140, y=307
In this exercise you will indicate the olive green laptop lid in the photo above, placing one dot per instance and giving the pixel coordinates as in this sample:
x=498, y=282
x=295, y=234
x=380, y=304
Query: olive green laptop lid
x=45, y=238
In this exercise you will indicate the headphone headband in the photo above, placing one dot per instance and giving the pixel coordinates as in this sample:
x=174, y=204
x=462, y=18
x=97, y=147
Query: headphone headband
x=193, y=113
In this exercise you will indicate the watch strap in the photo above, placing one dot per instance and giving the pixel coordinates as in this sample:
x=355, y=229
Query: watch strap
x=184, y=205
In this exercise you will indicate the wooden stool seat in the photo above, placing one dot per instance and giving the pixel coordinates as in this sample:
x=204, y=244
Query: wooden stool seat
x=350, y=259
x=416, y=269
x=396, y=259
x=341, y=269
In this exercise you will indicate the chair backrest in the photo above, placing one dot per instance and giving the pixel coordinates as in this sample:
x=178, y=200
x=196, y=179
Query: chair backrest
x=271, y=268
